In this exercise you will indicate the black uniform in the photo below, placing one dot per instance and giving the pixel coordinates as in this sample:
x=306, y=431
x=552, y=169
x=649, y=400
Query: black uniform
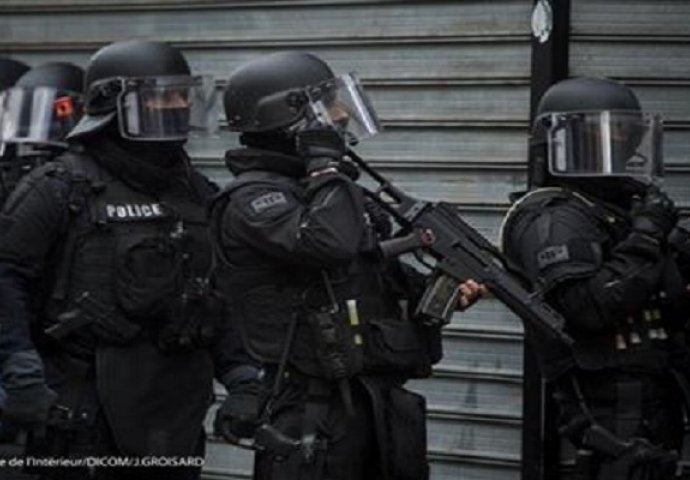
x=625, y=304
x=297, y=265
x=109, y=270
x=593, y=235
x=104, y=260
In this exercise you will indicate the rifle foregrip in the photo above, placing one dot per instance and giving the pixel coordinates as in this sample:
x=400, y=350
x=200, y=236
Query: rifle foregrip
x=407, y=243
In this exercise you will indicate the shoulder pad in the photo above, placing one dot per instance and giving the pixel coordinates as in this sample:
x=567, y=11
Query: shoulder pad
x=265, y=192
x=553, y=236
x=51, y=174
x=265, y=180
x=528, y=202
x=81, y=166
x=76, y=177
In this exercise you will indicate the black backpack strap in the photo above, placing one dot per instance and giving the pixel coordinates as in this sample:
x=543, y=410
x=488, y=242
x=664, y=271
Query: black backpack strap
x=86, y=180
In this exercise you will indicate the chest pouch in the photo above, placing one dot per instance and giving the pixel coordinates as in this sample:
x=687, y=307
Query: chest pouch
x=395, y=344
x=148, y=275
x=192, y=318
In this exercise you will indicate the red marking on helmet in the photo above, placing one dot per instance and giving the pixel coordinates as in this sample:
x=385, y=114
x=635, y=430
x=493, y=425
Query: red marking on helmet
x=64, y=107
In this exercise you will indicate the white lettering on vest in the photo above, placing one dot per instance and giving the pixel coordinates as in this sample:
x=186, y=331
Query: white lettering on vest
x=133, y=211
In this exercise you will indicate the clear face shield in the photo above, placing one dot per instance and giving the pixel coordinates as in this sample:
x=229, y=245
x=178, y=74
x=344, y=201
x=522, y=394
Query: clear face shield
x=38, y=116
x=607, y=143
x=342, y=104
x=167, y=108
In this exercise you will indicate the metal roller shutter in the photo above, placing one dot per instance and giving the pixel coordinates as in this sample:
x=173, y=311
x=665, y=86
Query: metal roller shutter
x=450, y=80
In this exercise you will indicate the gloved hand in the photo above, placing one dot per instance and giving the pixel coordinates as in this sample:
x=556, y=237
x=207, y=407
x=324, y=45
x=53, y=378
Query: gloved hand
x=349, y=169
x=648, y=461
x=321, y=148
x=28, y=407
x=28, y=398
x=238, y=416
x=654, y=215
x=380, y=219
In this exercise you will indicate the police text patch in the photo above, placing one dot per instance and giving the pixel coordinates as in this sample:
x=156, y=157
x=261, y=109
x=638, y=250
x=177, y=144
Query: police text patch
x=126, y=212
x=551, y=255
x=268, y=200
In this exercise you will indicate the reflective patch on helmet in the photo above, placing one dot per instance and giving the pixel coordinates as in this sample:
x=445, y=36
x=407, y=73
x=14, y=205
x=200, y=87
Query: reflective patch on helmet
x=268, y=200
x=63, y=107
x=552, y=255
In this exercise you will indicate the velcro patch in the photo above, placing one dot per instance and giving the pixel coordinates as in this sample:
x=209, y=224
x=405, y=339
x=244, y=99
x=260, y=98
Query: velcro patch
x=268, y=200
x=552, y=255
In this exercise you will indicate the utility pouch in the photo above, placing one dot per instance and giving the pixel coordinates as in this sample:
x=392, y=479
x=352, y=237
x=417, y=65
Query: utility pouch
x=397, y=345
x=406, y=426
x=147, y=275
x=192, y=318
x=337, y=346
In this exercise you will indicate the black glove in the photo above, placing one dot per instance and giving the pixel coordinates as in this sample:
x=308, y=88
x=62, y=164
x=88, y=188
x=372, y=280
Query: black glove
x=648, y=461
x=654, y=215
x=28, y=407
x=321, y=148
x=238, y=416
x=28, y=398
x=380, y=219
x=349, y=169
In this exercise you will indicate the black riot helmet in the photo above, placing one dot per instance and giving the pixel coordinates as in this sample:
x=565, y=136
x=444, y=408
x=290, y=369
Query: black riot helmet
x=60, y=75
x=147, y=86
x=591, y=133
x=287, y=90
x=43, y=106
x=10, y=71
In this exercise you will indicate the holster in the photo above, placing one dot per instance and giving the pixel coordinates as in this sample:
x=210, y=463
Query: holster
x=338, y=355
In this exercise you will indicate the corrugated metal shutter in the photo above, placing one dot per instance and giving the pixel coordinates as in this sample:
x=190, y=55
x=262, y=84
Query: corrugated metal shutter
x=451, y=82
x=645, y=44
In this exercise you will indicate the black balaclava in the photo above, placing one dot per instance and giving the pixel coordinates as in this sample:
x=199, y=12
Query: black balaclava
x=144, y=165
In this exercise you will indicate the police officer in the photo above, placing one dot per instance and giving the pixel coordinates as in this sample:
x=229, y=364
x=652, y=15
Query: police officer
x=592, y=233
x=103, y=267
x=10, y=71
x=37, y=113
x=329, y=324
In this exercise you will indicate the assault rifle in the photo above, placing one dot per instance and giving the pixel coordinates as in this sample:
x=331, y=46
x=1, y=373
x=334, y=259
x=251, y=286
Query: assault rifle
x=460, y=253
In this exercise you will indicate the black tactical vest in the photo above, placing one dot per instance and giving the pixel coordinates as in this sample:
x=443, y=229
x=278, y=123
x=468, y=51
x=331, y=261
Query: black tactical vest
x=131, y=263
x=642, y=341
x=330, y=323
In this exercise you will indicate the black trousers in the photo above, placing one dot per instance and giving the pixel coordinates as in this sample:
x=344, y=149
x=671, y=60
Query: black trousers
x=642, y=405
x=384, y=438
x=350, y=453
x=97, y=442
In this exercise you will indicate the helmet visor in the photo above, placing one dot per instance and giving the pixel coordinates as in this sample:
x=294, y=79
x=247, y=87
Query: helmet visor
x=606, y=143
x=41, y=115
x=167, y=108
x=342, y=103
